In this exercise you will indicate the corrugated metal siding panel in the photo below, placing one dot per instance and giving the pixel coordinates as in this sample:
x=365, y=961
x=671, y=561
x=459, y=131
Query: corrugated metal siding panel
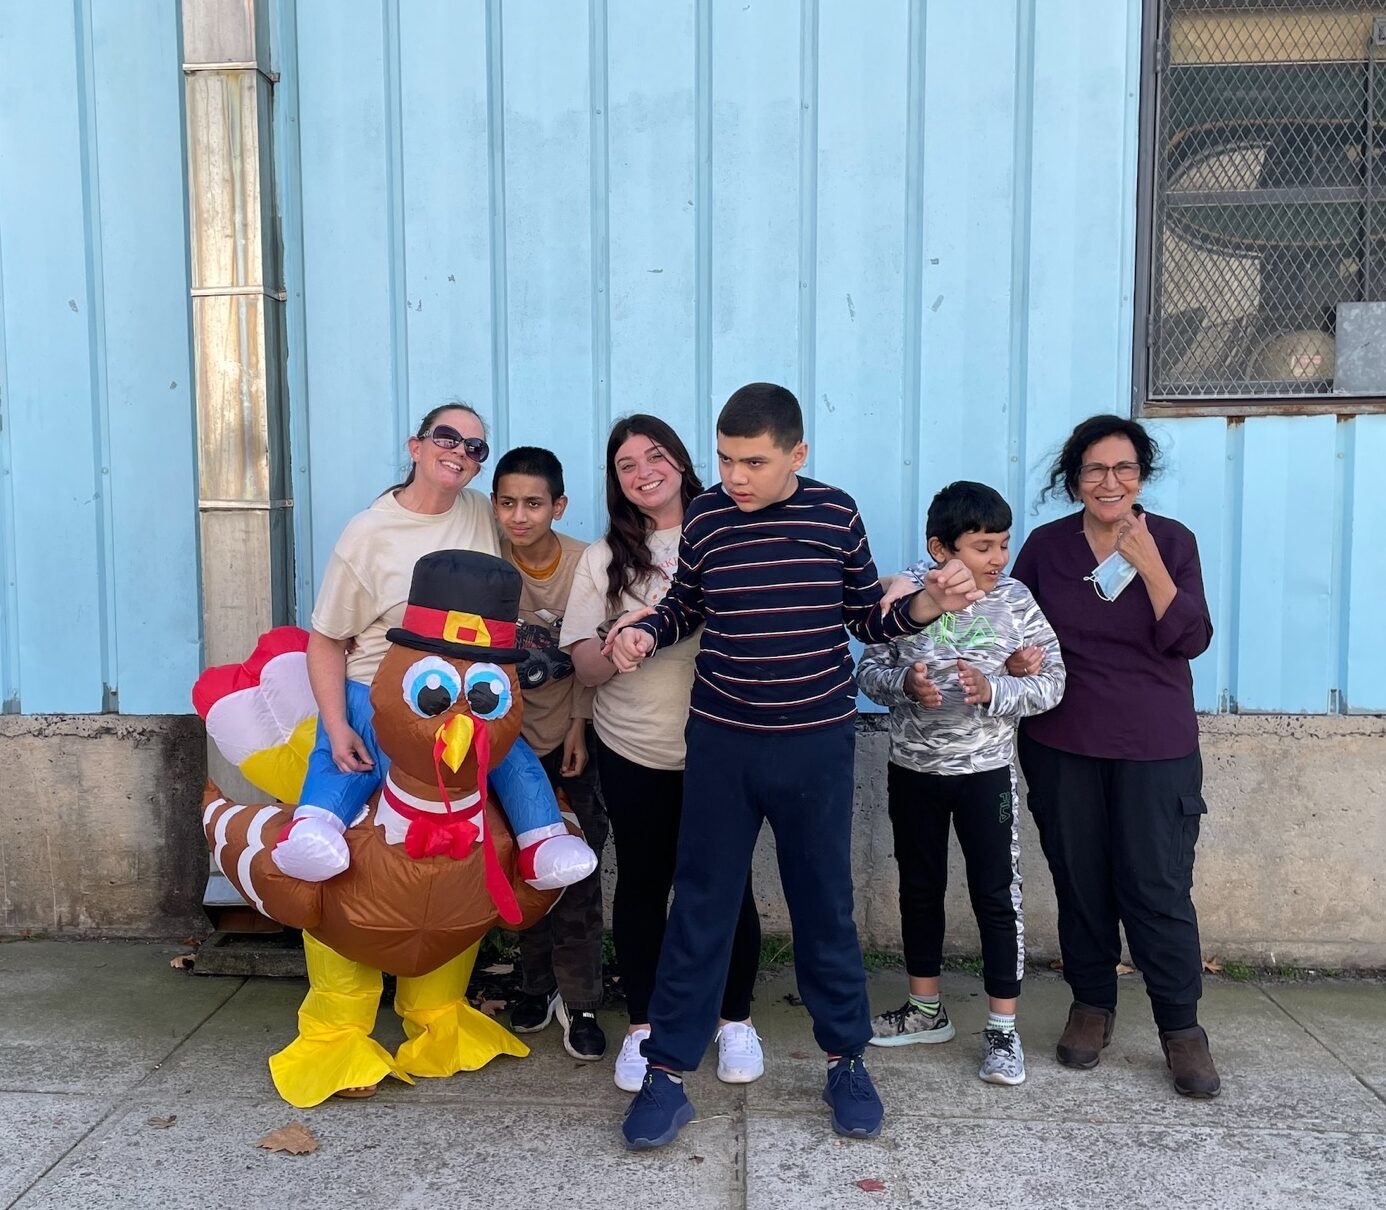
x=924, y=222
x=1361, y=670
x=98, y=533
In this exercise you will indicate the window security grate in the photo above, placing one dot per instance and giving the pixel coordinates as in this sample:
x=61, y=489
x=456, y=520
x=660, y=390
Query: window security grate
x=1269, y=192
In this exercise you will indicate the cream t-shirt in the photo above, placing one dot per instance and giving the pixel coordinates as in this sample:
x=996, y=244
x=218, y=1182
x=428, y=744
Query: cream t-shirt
x=366, y=585
x=639, y=715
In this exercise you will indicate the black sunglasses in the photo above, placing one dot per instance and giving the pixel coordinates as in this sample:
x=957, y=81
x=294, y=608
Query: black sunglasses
x=445, y=437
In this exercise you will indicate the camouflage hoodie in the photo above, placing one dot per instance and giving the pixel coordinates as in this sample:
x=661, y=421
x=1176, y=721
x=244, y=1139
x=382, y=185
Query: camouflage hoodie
x=956, y=738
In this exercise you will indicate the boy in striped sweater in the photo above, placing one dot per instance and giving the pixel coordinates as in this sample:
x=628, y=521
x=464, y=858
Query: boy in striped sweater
x=778, y=570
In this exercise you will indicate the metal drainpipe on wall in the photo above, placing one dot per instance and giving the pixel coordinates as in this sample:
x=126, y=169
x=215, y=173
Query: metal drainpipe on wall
x=244, y=517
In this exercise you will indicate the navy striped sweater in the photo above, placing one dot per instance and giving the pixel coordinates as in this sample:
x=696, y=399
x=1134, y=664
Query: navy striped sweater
x=777, y=589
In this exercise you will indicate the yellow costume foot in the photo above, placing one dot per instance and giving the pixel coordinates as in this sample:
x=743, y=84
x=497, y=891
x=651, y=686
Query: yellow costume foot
x=445, y=1033
x=334, y=1051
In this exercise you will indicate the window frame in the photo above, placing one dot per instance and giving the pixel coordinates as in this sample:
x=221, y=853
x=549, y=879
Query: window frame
x=1152, y=67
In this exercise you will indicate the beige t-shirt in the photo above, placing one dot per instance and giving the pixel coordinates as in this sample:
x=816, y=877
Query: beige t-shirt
x=550, y=708
x=641, y=714
x=366, y=585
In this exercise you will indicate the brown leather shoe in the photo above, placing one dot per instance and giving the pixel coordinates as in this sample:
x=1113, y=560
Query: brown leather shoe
x=1088, y=1030
x=1188, y=1057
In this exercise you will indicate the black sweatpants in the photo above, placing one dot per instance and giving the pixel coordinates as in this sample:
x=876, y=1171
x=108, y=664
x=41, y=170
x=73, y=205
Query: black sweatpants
x=801, y=781
x=645, y=806
x=1119, y=836
x=564, y=949
x=982, y=809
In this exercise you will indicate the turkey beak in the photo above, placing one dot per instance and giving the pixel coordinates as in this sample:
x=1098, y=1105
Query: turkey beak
x=454, y=740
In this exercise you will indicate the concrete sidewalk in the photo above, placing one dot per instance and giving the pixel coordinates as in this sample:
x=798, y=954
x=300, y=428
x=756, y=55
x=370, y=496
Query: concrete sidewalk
x=96, y=1039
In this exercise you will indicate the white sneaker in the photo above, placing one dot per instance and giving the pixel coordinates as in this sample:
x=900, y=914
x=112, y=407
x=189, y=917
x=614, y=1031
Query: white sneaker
x=740, y=1059
x=630, y=1063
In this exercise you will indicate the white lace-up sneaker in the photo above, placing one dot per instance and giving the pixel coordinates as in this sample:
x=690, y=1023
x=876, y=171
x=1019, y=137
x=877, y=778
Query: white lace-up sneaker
x=740, y=1059
x=630, y=1063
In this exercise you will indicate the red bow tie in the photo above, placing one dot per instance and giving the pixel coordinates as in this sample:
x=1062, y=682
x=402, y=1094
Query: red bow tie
x=432, y=835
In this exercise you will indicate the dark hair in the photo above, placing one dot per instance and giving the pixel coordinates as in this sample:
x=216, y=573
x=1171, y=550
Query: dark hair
x=530, y=460
x=1063, y=471
x=965, y=507
x=763, y=407
x=426, y=426
x=628, y=528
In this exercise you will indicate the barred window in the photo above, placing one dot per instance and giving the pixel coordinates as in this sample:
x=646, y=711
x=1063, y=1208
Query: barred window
x=1263, y=257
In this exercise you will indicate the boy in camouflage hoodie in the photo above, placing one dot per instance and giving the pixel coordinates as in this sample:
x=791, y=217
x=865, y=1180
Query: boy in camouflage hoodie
x=954, y=704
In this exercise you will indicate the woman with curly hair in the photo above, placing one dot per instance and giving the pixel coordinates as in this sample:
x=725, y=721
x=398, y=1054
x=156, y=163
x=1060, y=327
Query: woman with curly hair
x=1114, y=772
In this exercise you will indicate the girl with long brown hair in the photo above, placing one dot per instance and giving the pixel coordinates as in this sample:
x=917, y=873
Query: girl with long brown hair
x=640, y=720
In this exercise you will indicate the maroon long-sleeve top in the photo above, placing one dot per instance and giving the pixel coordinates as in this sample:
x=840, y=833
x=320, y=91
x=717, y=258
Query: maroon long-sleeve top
x=1130, y=690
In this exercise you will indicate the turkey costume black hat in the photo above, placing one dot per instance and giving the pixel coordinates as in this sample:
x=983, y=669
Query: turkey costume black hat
x=463, y=604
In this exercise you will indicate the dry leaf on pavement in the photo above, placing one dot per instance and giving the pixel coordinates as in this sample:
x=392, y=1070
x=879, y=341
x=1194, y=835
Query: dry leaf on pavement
x=1213, y=965
x=800, y=1054
x=490, y=1007
x=162, y=1123
x=184, y=962
x=1123, y=969
x=1057, y=964
x=871, y=1185
x=295, y=1138
x=498, y=968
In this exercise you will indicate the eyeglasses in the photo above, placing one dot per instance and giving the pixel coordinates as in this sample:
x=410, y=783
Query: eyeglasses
x=445, y=437
x=1096, y=472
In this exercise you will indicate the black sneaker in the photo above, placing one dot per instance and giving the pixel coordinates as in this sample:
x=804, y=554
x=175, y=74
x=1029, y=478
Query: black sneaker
x=532, y=1013
x=582, y=1036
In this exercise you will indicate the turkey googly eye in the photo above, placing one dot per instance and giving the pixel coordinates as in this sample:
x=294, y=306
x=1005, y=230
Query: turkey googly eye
x=488, y=691
x=431, y=686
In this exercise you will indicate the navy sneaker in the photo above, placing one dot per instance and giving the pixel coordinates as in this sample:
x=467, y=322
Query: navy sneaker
x=857, y=1110
x=657, y=1113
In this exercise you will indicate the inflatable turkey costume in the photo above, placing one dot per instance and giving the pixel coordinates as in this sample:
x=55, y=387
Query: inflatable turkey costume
x=432, y=863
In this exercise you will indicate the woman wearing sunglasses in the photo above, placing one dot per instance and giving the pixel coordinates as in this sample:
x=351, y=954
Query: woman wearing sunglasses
x=1114, y=772
x=364, y=592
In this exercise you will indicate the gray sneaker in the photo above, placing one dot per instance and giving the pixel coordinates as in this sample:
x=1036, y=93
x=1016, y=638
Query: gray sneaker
x=1003, y=1058
x=906, y=1024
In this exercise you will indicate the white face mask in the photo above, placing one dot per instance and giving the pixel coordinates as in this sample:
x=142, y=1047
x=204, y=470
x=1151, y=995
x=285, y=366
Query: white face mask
x=1111, y=577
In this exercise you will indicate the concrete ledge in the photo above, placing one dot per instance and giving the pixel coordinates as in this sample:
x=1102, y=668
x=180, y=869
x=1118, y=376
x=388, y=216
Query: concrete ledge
x=100, y=833
x=99, y=836
x=1290, y=859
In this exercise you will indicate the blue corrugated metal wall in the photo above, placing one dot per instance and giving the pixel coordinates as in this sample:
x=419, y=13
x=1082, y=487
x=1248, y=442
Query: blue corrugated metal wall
x=919, y=215
x=98, y=508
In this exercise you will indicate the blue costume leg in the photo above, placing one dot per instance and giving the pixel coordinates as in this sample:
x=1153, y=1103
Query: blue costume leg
x=519, y=780
x=523, y=787
x=326, y=786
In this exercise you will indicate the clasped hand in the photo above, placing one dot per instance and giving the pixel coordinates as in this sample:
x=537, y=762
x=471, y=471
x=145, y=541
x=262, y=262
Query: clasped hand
x=625, y=646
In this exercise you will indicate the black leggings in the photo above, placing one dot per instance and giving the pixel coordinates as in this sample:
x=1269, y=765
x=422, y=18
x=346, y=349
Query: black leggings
x=982, y=809
x=644, y=806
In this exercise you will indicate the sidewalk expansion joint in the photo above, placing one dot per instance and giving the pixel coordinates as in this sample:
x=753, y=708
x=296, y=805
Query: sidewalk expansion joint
x=1224, y=1127
x=1366, y=1084
x=120, y=1101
